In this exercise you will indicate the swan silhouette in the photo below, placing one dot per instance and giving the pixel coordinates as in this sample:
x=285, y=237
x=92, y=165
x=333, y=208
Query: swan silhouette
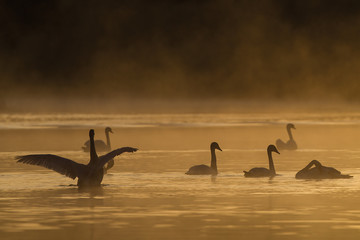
x=204, y=169
x=319, y=172
x=89, y=175
x=264, y=172
x=289, y=145
x=100, y=145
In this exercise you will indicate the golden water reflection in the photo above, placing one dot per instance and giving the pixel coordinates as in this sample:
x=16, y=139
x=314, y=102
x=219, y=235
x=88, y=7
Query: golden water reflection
x=147, y=195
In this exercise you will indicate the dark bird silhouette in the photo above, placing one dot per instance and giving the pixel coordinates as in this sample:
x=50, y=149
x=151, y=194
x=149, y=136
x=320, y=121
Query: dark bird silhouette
x=264, y=172
x=89, y=175
x=101, y=146
x=319, y=172
x=289, y=145
x=204, y=169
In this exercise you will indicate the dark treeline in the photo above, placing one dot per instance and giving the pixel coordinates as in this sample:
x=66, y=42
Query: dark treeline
x=181, y=49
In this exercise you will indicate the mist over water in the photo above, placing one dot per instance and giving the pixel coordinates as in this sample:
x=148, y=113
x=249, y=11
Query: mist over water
x=170, y=77
x=180, y=49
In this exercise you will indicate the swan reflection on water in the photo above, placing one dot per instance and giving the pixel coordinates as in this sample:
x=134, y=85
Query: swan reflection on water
x=90, y=175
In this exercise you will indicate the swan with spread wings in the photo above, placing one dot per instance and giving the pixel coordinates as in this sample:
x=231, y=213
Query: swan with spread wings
x=89, y=175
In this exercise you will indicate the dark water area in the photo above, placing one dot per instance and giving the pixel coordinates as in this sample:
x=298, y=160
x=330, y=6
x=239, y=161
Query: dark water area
x=146, y=195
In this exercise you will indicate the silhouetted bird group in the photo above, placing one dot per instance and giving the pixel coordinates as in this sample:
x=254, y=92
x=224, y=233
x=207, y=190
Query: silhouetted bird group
x=314, y=170
x=91, y=175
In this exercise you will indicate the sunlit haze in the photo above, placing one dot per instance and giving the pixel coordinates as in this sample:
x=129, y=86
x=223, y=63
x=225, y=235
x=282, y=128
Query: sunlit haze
x=185, y=120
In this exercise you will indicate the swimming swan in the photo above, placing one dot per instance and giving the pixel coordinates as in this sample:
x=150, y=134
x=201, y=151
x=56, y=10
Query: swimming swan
x=89, y=175
x=319, y=172
x=264, y=172
x=100, y=145
x=289, y=145
x=203, y=169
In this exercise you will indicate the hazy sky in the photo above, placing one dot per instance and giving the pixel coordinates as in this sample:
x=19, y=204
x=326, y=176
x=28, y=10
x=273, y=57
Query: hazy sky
x=181, y=49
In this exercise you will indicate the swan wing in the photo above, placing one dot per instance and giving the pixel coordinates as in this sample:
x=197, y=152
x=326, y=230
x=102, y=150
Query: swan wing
x=107, y=157
x=61, y=165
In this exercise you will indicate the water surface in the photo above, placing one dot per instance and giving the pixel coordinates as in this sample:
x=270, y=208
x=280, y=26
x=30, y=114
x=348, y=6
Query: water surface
x=147, y=195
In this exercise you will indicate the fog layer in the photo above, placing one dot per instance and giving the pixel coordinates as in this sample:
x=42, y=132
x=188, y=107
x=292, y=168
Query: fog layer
x=180, y=49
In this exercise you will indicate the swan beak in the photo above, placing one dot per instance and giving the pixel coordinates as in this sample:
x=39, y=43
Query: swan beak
x=111, y=131
x=219, y=149
x=277, y=151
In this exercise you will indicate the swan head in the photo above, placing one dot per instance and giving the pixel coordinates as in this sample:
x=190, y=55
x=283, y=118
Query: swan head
x=272, y=148
x=215, y=145
x=290, y=125
x=108, y=129
x=91, y=133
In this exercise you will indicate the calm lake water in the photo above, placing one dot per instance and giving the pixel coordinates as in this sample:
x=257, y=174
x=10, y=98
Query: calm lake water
x=147, y=195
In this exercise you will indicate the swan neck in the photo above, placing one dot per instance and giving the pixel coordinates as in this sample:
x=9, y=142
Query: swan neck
x=271, y=162
x=290, y=133
x=314, y=162
x=107, y=139
x=213, y=159
x=93, y=155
